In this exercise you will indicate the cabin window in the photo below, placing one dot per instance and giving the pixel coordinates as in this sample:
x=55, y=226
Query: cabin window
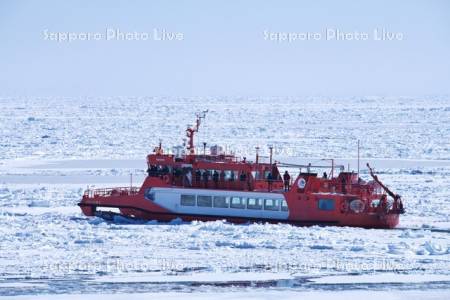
x=284, y=206
x=272, y=204
x=326, y=204
x=187, y=200
x=254, y=203
x=237, y=202
x=221, y=201
x=149, y=194
x=204, y=201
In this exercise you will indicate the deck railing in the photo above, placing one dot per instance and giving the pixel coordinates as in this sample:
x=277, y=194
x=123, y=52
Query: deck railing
x=108, y=192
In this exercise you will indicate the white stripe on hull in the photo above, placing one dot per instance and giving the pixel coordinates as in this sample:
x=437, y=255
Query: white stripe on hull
x=169, y=198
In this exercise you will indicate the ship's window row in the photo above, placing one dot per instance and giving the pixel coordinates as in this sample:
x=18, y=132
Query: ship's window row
x=234, y=202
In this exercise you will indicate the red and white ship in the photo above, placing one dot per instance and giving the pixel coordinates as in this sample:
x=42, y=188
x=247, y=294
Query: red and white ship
x=221, y=186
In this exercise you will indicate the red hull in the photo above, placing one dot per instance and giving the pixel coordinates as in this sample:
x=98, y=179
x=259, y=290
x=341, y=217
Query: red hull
x=388, y=222
x=301, y=212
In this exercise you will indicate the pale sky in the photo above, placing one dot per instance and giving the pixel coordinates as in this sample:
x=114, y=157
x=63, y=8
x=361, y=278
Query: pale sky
x=223, y=50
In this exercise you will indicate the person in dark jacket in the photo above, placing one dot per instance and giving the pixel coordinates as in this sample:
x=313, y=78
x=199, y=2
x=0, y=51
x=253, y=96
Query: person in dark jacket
x=231, y=176
x=269, y=181
x=198, y=177
x=242, y=179
x=216, y=179
x=287, y=180
x=343, y=185
x=205, y=178
x=249, y=181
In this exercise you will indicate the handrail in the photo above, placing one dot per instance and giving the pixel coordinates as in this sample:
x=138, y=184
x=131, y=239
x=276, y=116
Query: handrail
x=281, y=164
x=105, y=192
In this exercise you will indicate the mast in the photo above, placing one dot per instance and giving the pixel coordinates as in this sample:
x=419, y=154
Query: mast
x=358, y=158
x=332, y=168
x=270, y=155
x=131, y=182
x=190, y=131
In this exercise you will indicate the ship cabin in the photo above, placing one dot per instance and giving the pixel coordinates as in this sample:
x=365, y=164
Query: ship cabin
x=214, y=171
x=218, y=171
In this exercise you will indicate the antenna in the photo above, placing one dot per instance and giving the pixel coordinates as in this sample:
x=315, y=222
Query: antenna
x=131, y=181
x=257, y=155
x=271, y=153
x=190, y=131
x=332, y=168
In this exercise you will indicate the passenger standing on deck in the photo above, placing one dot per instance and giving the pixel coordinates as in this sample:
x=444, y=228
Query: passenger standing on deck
x=205, y=178
x=249, y=181
x=287, y=181
x=216, y=179
x=222, y=178
x=177, y=177
x=198, y=177
x=269, y=181
x=343, y=183
x=189, y=178
x=242, y=179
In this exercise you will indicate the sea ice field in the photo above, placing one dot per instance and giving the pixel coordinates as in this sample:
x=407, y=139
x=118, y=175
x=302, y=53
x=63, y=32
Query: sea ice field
x=51, y=149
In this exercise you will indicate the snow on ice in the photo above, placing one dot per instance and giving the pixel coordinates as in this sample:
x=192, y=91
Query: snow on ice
x=51, y=149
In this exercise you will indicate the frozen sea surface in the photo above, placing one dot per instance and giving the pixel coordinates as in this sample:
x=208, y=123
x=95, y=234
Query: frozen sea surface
x=313, y=127
x=252, y=294
x=50, y=149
